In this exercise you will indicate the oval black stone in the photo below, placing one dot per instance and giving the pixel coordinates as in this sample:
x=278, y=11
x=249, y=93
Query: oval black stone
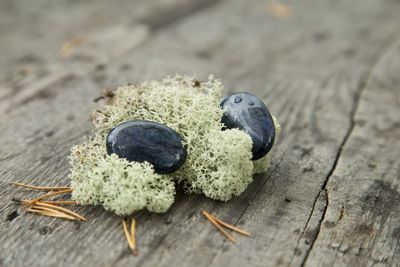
x=148, y=141
x=248, y=113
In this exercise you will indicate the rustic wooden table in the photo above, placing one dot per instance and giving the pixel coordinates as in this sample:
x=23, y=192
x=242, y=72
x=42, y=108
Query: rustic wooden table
x=329, y=70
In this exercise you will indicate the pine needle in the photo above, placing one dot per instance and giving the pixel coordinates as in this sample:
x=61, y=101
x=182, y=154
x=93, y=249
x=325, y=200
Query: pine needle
x=229, y=226
x=64, y=210
x=133, y=233
x=56, y=202
x=41, y=188
x=70, y=45
x=50, y=213
x=50, y=195
x=225, y=233
x=49, y=208
x=61, y=202
x=129, y=237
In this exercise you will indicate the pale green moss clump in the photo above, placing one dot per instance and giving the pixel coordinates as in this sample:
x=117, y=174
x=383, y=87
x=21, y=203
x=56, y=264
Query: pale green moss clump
x=120, y=186
x=218, y=164
x=223, y=168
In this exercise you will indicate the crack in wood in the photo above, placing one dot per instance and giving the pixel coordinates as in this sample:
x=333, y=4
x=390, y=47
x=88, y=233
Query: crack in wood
x=354, y=109
x=356, y=102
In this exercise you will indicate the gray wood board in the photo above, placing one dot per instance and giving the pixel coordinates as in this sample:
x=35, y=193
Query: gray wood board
x=361, y=220
x=33, y=35
x=328, y=71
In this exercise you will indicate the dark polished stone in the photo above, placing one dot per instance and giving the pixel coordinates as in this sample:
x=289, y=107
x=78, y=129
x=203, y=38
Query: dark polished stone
x=248, y=113
x=148, y=141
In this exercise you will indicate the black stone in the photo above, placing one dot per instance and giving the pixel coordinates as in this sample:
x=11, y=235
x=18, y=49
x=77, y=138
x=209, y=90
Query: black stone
x=148, y=141
x=248, y=113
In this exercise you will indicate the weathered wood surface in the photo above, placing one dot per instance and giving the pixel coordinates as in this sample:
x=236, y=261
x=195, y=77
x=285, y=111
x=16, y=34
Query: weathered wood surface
x=329, y=70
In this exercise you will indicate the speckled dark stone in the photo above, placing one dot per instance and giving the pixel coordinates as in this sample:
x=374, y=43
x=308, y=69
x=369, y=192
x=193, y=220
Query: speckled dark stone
x=148, y=141
x=248, y=113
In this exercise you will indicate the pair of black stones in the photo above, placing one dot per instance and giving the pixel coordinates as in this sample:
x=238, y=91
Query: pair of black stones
x=161, y=146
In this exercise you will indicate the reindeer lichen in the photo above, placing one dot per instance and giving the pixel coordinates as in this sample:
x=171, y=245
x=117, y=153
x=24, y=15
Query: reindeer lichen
x=218, y=163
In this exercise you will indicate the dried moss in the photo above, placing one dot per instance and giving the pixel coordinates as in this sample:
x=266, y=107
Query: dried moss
x=218, y=164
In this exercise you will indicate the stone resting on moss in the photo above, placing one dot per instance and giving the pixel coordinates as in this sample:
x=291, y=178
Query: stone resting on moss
x=218, y=162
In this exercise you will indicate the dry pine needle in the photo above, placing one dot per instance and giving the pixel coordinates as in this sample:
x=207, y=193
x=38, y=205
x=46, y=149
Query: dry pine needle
x=219, y=224
x=130, y=237
x=50, y=208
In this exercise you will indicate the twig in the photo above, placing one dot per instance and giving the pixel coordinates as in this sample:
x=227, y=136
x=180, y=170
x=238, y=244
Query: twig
x=42, y=188
x=225, y=233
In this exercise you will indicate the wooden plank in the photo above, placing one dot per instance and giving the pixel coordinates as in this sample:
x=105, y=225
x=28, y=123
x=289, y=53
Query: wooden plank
x=361, y=224
x=308, y=67
x=43, y=42
x=33, y=32
x=90, y=57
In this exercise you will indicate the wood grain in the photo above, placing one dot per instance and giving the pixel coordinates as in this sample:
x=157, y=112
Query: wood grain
x=328, y=70
x=361, y=220
x=34, y=36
